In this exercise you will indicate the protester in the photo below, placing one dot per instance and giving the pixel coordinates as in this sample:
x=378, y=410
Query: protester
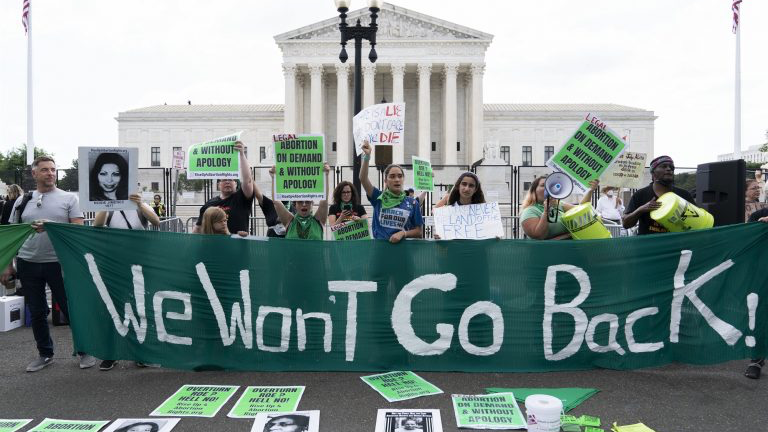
x=14, y=192
x=305, y=225
x=609, y=205
x=37, y=264
x=346, y=204
x=157, y=206
x=644, y=201
x=235, y=202
x=538, y=208
x=421, y=198
x=752, y=194
x=109, y=178
x=755, y=366
x=467, y=190
x=215, y=221
x=287, y=423
x=395, y=216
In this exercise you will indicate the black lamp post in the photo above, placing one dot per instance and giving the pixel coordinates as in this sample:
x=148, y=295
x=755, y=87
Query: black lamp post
x=358, y=33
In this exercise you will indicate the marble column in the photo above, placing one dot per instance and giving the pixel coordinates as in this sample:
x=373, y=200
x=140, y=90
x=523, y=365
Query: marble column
x=425, y=70
x=344, y=145
x=476, y=106
x=289, y=112
x=398, y=95
x=450, y=111
x=316, y=96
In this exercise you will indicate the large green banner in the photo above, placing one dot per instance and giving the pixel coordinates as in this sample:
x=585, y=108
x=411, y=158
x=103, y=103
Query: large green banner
x=209, y=302
x=11, y=239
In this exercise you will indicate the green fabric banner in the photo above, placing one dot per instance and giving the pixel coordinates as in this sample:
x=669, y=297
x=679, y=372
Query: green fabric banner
x=11, y=239
x=205, y=302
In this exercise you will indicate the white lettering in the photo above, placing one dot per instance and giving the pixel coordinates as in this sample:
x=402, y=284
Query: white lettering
x=157, y=303
x=351, y=288
x=401, y=315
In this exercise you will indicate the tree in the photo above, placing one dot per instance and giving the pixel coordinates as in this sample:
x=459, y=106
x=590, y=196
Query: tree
x=189, y=185
x=15, y=160
x=69, y=182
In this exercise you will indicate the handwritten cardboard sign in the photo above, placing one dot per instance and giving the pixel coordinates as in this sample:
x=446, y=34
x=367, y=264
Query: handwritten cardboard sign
x=379, y=124
x=626, y=172
x=474, y=221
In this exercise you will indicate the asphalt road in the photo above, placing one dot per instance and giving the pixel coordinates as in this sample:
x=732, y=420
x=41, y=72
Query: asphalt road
x=674, y=398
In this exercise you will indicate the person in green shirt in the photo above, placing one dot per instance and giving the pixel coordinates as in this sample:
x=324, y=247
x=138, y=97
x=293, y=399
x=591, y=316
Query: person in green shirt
x=537, y=207
x=304, y=225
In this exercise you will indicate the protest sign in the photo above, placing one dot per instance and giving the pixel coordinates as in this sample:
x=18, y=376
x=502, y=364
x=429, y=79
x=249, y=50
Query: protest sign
x=9, y=425
x=196, y=401
x=496, y=411
x=299, y=161
x=304, y=421
x=48, y=425
x=408, y=420
x=142, y=424
x=379, y=124
x=422, y=174
x=257, y=399
x=351, y=230
x=178, y=159
x=588, y=153
x=106, y=177
x=215, y=159
x=627, y=171
x=400, y=385
x=473, y=221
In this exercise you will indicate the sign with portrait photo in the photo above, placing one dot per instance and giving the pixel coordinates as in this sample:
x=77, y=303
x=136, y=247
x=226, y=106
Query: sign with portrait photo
x=305, y=421
x=106, y=177
x=409, y=420
x=141, y=425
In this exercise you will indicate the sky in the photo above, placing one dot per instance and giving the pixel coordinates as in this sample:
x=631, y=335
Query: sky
x=95, y=58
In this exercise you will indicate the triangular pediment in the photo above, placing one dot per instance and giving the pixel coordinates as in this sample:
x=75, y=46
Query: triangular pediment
x=395, y=23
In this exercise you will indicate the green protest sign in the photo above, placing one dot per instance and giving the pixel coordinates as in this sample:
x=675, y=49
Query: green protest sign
x=299, y=161
x=400, y=385
x=351, y=230
x=215, y=159
x=422, y=174
x=593, y=429
x=8, y=425
x=257, y=399
x=588, y=152
x=48, y=425
x=11, y=239
x=496, y=411
x=196, y=401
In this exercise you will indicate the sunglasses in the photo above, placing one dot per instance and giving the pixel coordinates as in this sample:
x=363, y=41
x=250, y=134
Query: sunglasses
x=40, y=201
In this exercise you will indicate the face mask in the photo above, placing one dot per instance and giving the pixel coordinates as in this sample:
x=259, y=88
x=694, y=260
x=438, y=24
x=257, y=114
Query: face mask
x=609, y=194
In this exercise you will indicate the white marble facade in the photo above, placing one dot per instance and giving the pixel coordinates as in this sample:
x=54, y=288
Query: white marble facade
x=434, y=66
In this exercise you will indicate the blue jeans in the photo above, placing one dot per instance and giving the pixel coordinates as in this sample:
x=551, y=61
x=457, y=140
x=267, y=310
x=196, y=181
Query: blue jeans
x=33, y=277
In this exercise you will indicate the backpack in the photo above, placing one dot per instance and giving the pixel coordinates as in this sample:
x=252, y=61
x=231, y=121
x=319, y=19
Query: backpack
x=22, y=205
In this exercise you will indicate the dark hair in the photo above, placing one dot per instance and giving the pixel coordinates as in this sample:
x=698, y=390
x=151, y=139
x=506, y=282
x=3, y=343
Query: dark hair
x=42, y=159
x=299, y=420
x=339, y=188
x=390, y=166
x=125, y=428
x=157, y=196
x=96, y=193
x=477, y=198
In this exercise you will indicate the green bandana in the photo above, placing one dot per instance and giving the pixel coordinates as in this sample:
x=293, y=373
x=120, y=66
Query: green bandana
x=390, y=200
x=304, y=228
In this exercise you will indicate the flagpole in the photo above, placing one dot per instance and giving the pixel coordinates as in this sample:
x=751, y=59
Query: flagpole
x=30, y=137
x=737, y=104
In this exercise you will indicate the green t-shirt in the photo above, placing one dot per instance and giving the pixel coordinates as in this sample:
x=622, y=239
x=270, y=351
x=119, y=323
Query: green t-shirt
x=535, y=211
x=305, y=228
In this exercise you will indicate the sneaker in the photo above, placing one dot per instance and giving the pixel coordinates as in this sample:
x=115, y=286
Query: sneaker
x=107, y=365
x=754, y=369
x=87, y=361
x=147, y=365
x=39, y=363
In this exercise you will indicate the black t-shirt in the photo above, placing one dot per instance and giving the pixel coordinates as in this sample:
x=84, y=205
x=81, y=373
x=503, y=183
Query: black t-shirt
x=646, y=225
x=237, y=207
x=336, y=210
x=270, y=217
x=5, y=211
x=757, y=214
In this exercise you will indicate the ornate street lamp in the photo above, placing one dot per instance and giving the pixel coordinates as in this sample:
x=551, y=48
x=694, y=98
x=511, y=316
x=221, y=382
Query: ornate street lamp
x=358, y=33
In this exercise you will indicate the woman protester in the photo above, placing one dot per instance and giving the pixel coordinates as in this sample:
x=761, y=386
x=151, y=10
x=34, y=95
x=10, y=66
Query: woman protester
x=305, y=225
x=467, y=190
x=538, y=208
x=109, y=178
x=14, y=192
x=395, y=216
x=346, y=205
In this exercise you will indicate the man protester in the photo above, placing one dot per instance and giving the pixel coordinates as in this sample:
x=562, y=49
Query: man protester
x=36, y=262
x=644, y=201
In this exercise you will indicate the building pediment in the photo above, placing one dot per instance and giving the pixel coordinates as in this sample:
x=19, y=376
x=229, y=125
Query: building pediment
x=395, y=24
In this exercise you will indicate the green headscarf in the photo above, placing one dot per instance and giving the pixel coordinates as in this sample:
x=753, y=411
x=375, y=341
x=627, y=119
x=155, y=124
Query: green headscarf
x=304, y=228
x=390, y=200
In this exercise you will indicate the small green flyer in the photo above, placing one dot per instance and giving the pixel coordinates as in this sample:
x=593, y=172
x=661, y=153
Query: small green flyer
x=422, y=175
x=400, y=385
x=12, y=425
x=193, y=400
x=351, y=230
x=257, y=399
x=299, y=161
x=495, y=411
x=68, y=425
x=215, y=159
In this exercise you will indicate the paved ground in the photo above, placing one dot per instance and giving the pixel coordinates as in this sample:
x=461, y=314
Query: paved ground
x=674, y=398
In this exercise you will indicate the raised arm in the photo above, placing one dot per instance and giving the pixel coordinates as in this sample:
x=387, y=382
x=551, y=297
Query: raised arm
x=322, y=209
x=283, y=214
x=145, y=209
x=364, y=160
x=246, y=178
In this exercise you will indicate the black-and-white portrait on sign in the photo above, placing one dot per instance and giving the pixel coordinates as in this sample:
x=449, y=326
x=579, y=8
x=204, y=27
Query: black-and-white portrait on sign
x=298, y=421
x=142, y=425
x=106, y=177
x=408, y=421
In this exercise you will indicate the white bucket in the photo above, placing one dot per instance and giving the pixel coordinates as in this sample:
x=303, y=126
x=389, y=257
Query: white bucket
x=543, y=412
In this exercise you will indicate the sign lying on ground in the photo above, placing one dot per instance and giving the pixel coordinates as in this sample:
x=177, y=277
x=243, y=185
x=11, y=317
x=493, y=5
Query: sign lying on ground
x=258, y=399
x=488, y=305
x=215, y=159
x=193, y=400
x=404, y=420
x=299, y=161
x=473, y=221
x=379, y=124
x=588, y=152
x=12, y=425
x=400, y=385
x=48, y=425
x=495, y=411
x=627, y=171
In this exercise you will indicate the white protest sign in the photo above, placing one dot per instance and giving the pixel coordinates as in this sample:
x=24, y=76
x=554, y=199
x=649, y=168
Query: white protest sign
x=106, y=177
x=626, y=171
x=474, y=221
x=178, y=159
x=379, y=124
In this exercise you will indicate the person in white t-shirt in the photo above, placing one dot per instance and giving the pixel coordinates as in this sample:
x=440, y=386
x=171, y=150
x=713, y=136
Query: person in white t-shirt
x=609, y=206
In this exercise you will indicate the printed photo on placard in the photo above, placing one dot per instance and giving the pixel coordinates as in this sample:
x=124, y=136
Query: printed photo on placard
x=142, y=425
x=106, y=177
x=414, y=420
x=299, y=421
